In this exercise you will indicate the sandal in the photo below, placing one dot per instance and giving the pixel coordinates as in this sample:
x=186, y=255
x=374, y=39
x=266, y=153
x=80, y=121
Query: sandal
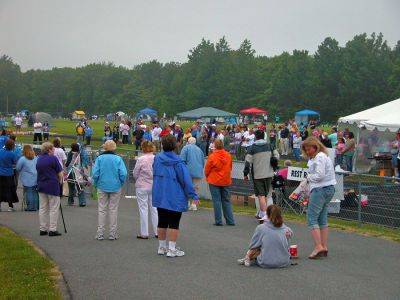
x=315, y=255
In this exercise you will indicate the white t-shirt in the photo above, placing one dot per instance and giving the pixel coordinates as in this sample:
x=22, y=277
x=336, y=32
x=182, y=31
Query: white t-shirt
x=18, y=121
x=155, y=133
x=220, y=136
x=245, y=136
x=297, y=142
x=37, y=127
x=251, y=139
x=124, y=128
x=238, y=138
x=60, y=154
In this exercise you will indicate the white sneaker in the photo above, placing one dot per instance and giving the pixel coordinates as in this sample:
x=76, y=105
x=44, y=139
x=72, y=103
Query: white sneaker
x=99, y=237
x=175, y=253
x=193, y=207
x=113, y=237
x=162, y=251
x=11, y=209
x=245, y=261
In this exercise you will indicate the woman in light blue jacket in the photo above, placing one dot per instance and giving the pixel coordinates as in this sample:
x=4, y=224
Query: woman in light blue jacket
x=26, y=168
x=109, y=175
x=193, y=156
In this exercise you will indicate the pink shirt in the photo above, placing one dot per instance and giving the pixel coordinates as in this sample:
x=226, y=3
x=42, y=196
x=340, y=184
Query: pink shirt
x=339, y=148
x=283, y=173
x=143, y=172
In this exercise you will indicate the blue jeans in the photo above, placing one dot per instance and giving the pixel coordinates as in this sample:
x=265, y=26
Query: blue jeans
x=220, y=197
x=297, y=153
x=349, y=163
x=339, y=159
x=317, y=212
x=81, y=194
x=31, y=198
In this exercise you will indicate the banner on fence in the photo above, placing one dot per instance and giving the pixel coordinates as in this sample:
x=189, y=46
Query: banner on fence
x=297, y=174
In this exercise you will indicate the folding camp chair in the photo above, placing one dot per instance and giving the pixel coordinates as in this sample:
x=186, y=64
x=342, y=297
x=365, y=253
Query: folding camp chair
x=78, y=176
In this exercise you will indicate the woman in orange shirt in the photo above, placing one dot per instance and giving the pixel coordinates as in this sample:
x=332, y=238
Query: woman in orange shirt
x=218, y=171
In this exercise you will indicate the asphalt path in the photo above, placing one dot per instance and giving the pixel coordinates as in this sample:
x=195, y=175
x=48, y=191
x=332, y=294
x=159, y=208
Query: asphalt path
x=358, y=267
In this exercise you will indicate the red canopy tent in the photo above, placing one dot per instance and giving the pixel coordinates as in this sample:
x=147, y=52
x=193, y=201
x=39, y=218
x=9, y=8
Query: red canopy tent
x=253, y=111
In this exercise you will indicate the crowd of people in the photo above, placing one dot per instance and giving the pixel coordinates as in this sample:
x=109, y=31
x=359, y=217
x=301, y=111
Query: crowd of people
x=237, y=138
x=167, y=183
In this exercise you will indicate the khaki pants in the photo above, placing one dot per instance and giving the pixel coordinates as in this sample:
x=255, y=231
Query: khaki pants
x=49, y=206
x=108, y=202
x=284, y=143
x=157, y=144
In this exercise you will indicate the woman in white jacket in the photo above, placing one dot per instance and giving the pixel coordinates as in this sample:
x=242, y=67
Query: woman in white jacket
x=321, y=179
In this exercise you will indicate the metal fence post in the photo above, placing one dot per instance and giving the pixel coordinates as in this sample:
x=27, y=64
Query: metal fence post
x=127, y=168
x=359, y=201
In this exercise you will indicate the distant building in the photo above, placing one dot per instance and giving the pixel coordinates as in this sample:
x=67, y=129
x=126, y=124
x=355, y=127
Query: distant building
x=78, y=114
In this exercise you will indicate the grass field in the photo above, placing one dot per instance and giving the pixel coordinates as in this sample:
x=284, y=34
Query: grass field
x=24, y=272
x=64, y=127
x=338, y=224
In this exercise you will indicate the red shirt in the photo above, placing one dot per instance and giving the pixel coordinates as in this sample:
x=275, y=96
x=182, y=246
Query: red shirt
x=165, y=132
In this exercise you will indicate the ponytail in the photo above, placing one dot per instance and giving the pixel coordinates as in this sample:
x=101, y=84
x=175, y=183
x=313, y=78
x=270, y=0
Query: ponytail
x=274, y=214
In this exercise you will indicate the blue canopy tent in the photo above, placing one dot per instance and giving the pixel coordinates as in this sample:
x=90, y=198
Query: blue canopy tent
x=146, y=112
x=304, y=116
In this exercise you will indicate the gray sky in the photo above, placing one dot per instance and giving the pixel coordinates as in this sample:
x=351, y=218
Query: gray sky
x=54, y=33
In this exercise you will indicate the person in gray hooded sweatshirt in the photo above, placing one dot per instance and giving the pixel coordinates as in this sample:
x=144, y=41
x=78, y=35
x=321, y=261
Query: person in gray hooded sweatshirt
x=258, y=164
x=269, y=246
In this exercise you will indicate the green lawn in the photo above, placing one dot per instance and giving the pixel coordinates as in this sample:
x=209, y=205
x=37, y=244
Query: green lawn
x=66, y=127
x=338, y=224
x=24, y=272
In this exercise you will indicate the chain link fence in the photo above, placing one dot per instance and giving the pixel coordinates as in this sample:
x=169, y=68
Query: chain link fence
x=362, y=198
x=359, y=197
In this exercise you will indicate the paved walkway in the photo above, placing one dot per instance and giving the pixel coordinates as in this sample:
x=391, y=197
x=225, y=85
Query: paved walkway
x=357, y=268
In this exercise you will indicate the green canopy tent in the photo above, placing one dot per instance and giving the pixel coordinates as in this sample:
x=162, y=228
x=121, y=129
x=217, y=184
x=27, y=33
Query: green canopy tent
x=205, y=112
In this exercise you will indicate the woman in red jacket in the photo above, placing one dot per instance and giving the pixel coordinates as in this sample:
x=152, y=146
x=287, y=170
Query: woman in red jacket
x=218, y=173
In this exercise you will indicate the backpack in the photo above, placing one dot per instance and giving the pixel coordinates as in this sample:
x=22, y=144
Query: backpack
x=79, y=130
x=278, y=181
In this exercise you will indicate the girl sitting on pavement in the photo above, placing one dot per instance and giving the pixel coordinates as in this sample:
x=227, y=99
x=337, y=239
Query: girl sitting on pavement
x=269, y=246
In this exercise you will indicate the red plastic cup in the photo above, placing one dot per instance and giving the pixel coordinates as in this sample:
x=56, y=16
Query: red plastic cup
x=293, y=251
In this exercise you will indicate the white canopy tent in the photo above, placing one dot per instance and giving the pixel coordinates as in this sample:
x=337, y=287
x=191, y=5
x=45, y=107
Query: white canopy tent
x=374, y=130
x=372, y=113
x=387, y=122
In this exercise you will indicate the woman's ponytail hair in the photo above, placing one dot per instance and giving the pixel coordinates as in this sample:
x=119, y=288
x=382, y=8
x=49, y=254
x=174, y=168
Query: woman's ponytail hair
x=274, y=214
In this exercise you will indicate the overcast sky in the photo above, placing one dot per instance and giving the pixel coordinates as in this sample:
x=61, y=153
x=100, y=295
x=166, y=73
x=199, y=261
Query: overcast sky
x=50, y=33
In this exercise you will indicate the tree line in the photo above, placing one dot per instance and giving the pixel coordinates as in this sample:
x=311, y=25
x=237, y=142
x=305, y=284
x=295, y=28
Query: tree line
x=335, y=81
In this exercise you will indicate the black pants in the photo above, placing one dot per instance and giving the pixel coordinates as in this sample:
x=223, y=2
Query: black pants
x=88, y=139
x=168, y=218
x=46, y=136
x=37, y=137
x=124, y=139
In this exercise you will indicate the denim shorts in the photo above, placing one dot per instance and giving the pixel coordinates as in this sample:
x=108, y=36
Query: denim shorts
x=317, y=212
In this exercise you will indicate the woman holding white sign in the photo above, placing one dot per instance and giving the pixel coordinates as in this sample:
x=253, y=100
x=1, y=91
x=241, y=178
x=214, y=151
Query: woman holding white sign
x=321, y=179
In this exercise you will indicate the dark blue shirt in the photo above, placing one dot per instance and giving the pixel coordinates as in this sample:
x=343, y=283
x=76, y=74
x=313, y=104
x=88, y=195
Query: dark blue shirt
x=48, y=168
x=3, y=139
x=7, y=161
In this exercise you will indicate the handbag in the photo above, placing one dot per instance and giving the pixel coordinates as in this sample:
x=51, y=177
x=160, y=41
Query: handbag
x=301, y=193
x=65, y=189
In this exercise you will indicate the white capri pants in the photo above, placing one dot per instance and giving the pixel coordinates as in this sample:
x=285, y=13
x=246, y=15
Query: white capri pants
x=144, y=200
